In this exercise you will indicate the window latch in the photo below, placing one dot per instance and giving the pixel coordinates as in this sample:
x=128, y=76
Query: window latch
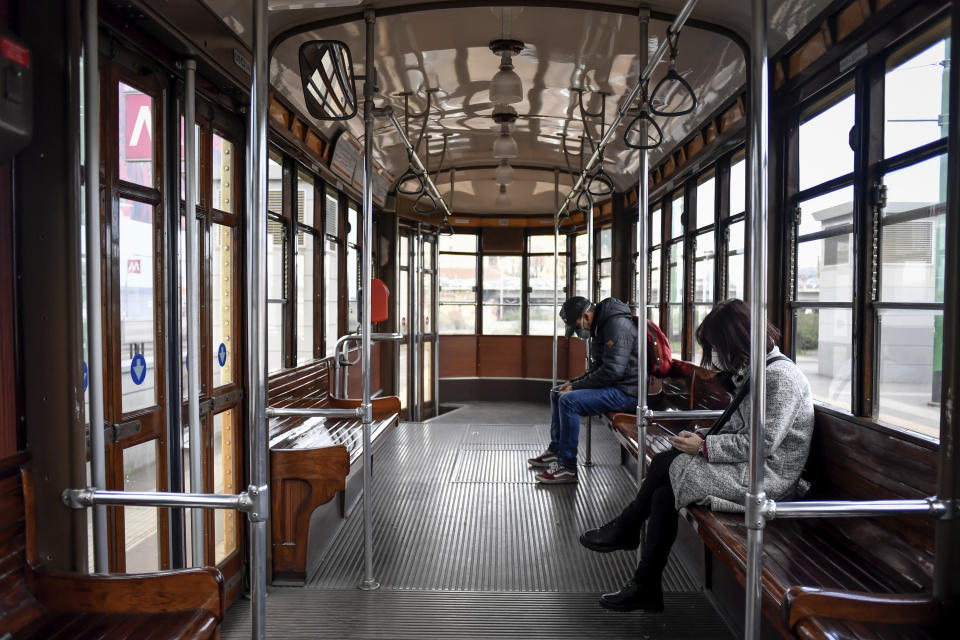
x=878, y=193
x=120, y=431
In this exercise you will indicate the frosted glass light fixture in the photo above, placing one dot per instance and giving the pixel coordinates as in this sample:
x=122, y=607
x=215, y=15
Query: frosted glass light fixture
x=503, y=200
x=504, y=174
x=505, y=146
x=505, y=87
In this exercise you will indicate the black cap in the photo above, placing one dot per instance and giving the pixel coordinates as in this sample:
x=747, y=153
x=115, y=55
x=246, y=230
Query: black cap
x=571, y=311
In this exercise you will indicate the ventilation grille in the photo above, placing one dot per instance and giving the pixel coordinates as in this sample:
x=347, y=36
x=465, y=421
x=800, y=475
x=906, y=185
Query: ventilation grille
x=331, y=224
x=908, y=242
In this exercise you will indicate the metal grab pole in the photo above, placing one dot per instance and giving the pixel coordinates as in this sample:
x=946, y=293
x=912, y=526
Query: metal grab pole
x=556, y=268
x=193, y=307
x=643, y=199
x=591, y=280
x=91, y=127
x=757, y=187
x=366, y=264
x=257, y=319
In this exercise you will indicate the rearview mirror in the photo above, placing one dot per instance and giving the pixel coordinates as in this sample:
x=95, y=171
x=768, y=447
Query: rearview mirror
x=326, y=70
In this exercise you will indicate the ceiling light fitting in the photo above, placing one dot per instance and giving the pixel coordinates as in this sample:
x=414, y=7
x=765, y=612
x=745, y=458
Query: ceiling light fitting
x=504, y=174
x=505, y=87
x=503, y=200
x=505, y=146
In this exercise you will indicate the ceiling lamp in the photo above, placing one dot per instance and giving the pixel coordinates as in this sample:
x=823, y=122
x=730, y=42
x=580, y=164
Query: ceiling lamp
x=503, y=200
x=506, y=88
x=504, y=174
x=505, y=146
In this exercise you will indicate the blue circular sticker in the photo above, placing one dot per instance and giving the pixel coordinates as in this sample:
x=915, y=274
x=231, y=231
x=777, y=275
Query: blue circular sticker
x=85, y=376
x=222, y=354
x=138, y=369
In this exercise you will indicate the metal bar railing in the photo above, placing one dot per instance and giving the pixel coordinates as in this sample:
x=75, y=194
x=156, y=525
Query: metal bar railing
x=643, y=205
x=674, y=28
x=757, y=187
x=341, y=359
x=82, y=498
x=414, y=158
x=693, y=414
x=366, y=271
x=91, y=125
x=197, y=545
x=932, y=507
x=556, y=265
x=319, y=412
x=257, y=319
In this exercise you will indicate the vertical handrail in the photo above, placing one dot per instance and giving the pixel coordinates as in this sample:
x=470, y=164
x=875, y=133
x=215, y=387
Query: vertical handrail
x=91, y=127
x=556, y=268
x=256, y=316
x=640, y=288
x=757, y=187
x=592, y=280
x=193, y=307
x=436, y=328
x=366, y=264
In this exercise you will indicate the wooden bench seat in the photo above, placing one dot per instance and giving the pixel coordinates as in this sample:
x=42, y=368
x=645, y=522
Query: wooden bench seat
x=35, y=603
x=311, y=458
x=838, y=577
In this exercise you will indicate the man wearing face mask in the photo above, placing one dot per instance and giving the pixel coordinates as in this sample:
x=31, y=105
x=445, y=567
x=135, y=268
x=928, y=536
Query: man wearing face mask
x=610, y=384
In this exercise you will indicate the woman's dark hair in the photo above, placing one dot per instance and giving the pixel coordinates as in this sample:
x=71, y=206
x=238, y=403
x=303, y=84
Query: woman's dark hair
x=726, y=330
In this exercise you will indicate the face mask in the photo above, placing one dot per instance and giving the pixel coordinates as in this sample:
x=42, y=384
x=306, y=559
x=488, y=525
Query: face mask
x=583, y=334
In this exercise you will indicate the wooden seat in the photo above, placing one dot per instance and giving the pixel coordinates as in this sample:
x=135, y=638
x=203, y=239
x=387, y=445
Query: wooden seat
x=310, y=459
x=38, y=604
x=839, y=577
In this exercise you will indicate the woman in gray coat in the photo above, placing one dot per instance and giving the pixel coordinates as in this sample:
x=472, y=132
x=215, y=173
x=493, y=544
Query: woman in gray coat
x=711, y=467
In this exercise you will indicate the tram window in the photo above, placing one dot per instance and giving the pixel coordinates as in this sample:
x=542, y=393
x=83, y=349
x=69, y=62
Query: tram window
x=137, y=321
x=501, y=294
x=825, y=151
x=196, y=163
x=656, y=228
x=735, y=260
x=540, y=285
x=224, y=481
x=457, y=277
x=305, y=198
x=822, y=339
x=223, y=252
x=655, y=278
x=427, y=299
x=136, y=131
x=331, y=274
x=580, y=285
x=675, y=297
x=305, y=294
x=703, y=280
x=706, y=201
x=605, y=266
x=915, y=94
x=353, y=266
x=427, y=372
x=824, y=260
x=676, y=214
x=141, y=524
x=738, y=187
x=223, y=172
x=276, y=291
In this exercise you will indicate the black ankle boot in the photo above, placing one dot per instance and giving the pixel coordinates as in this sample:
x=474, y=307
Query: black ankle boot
x=634, y=597
x=609, y=537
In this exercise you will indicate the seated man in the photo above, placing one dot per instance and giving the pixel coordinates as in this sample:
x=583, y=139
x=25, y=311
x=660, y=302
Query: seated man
x=610, y=384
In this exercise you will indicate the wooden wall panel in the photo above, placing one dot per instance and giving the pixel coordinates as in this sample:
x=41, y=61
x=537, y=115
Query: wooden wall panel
x=577, y=356
x=538, y=357
x=8, y=417
x=458, y=356
x=500, y=356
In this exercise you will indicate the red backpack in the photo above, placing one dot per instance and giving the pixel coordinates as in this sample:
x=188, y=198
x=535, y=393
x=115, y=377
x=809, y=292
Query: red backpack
x=659, y=356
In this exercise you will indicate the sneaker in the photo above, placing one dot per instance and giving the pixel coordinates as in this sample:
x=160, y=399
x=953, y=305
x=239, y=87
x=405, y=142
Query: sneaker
x=609, y=537
x=558, y=475
x=634, y=597
x=543, y=461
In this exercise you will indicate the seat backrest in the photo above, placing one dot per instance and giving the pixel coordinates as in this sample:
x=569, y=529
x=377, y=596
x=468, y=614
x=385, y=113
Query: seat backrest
x=17, y=605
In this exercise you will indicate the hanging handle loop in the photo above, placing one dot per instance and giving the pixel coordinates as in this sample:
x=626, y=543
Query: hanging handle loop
x=584, y=201
x=600, y=184
x=412, y=178
x=422, y=207
x=672, y=77
x=652, y=141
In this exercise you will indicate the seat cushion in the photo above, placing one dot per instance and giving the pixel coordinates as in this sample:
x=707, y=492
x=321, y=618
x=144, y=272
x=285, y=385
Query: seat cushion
x=58, y=625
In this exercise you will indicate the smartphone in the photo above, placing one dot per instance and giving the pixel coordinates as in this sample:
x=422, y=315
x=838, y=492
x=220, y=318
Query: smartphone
x=665, y=429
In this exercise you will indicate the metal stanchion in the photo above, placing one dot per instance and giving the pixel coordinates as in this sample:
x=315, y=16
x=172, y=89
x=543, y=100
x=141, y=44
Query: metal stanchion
x=556, y=268
x=592, y=281
x=193, y=307
x=91, y=126
x=643, y=205
x=257, y=320
x=366, y=264
x=757, y=188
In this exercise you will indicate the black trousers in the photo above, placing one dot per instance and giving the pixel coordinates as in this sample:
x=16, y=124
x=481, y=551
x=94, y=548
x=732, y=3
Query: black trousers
x=654, y=505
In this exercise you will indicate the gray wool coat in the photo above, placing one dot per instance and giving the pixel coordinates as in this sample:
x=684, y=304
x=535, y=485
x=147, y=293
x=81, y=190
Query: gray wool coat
x=721, y=480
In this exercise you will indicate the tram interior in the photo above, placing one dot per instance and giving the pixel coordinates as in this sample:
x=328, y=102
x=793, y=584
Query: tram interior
x=393, y=202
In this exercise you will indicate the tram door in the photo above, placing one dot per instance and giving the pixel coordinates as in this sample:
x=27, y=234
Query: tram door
x=418, y=354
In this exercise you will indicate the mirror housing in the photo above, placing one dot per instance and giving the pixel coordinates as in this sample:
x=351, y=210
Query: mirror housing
x=329, y=87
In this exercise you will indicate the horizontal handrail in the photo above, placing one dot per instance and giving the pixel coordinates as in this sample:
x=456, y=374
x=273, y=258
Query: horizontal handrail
x=932, y=507
x=341, y=359
x=253, y=501
x=693, y=414
x=319, y=412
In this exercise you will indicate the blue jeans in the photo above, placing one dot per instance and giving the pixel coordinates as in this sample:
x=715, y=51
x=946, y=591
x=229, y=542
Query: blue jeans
x=567, y=409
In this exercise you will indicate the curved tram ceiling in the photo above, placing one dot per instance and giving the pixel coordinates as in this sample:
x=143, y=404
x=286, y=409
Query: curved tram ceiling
x=446, y=52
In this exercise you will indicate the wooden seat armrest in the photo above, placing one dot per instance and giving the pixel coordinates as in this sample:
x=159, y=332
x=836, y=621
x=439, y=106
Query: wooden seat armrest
x=381, y=406
x=884, y=608
x=181, y=590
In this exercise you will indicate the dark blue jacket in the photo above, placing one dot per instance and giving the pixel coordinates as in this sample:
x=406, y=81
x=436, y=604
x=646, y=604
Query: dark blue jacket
x=613, y=350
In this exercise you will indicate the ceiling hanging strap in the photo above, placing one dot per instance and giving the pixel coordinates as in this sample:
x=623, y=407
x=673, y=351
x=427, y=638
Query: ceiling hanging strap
x=672, y=79
x=585, y=201
x=652, y=133
x=410, y=183
x=426, y=203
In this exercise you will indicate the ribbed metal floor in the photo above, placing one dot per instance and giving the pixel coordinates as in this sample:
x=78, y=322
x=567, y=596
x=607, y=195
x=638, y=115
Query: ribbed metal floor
x=294, y=614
